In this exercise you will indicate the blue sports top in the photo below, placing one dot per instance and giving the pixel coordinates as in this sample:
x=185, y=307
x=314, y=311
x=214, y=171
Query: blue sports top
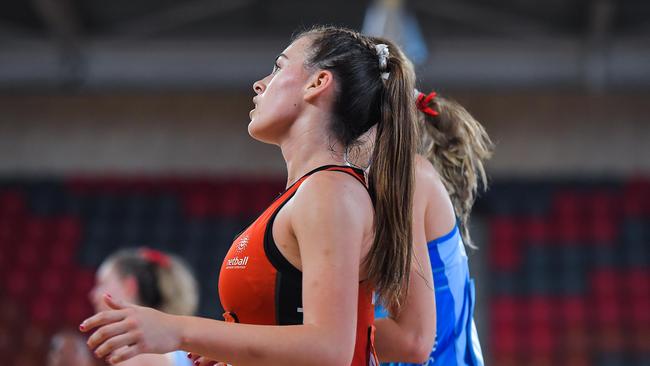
x=456, y=337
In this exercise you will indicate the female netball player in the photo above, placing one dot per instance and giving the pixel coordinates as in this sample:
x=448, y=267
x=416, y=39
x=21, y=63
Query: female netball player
x=297, y=284
x=447, y=174
x=151, y=278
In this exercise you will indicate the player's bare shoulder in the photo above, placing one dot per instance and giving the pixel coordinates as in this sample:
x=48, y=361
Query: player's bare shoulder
x=335, y=188
x=426, y=176
x=429, y=186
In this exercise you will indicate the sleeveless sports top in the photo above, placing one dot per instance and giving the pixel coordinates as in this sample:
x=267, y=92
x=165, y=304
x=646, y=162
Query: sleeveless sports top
x=257, y=285
x=457, y=340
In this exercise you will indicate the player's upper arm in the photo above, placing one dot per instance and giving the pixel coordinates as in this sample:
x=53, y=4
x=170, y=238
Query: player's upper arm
x=330, y=218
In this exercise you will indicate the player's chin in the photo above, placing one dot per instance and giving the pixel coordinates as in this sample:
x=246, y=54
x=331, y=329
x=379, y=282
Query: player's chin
x=257, y=130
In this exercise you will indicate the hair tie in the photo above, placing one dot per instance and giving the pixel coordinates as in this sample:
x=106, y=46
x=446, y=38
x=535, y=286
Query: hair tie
x=155, y=256
x=423, y=103
x=383, y=54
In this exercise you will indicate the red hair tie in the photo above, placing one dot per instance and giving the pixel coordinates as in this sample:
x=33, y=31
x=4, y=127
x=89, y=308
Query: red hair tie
x=155, y=256
x=423, y=103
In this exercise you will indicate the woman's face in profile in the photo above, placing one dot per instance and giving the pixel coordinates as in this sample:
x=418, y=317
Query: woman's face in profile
x=279, y=98
x=109, y=281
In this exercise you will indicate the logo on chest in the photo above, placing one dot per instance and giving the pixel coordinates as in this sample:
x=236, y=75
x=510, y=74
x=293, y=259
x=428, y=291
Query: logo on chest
x=238, y=262
x=241, y=244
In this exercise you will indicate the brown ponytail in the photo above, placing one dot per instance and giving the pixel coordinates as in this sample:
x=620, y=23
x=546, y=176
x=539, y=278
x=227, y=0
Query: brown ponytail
x=391, y=181
x=457, y=146
x=364, y=100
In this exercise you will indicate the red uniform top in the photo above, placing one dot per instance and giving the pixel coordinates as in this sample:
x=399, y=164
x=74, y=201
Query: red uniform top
x=257, y=285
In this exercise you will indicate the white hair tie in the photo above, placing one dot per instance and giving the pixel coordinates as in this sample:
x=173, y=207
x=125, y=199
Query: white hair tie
x=383, y=54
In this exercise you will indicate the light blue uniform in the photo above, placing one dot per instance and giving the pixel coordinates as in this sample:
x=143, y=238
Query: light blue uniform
x=456, y=337
x=180, y=359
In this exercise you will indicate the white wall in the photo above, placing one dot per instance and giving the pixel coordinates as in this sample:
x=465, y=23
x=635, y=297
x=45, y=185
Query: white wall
x=133, y=134
x=205, y=133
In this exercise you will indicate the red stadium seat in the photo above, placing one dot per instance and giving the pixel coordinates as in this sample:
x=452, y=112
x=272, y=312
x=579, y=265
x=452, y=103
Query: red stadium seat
x=602, y=204
x=44, y=311
x=540, y=342
x=505, y=255
x=28, y=255
x=636, y=199
x=506, y=341
x=605, y=283
x=568, y=229
x=260, y=195
x=197, y=203
x=19, y=284
x=12, y=203
x=539, y=311
x=76, y=310
x=231, y=200
x=573, y=311
x=567, y=205
x=84, y=280
x=38, y=230
x=54, y=281
x=11, y=231
x=607, y=312
x=636, y=283
x=61, y=255
x=536, y=230
x=640, y=316
x=602, y=230
x=505, y=251
x=67, y=229
x=505, y=311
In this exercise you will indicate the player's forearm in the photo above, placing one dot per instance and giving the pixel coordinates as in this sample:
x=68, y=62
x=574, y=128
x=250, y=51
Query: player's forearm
x=397, y=343
x=244, y=344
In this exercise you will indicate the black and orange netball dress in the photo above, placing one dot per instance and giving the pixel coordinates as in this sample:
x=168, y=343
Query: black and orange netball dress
x=257, y=285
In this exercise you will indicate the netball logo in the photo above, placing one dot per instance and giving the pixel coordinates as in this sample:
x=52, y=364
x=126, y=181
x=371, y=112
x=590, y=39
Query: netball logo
x=243, y=243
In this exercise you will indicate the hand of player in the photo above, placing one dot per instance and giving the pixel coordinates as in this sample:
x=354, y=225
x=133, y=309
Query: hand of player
x=128, y=330
x=202, y=361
